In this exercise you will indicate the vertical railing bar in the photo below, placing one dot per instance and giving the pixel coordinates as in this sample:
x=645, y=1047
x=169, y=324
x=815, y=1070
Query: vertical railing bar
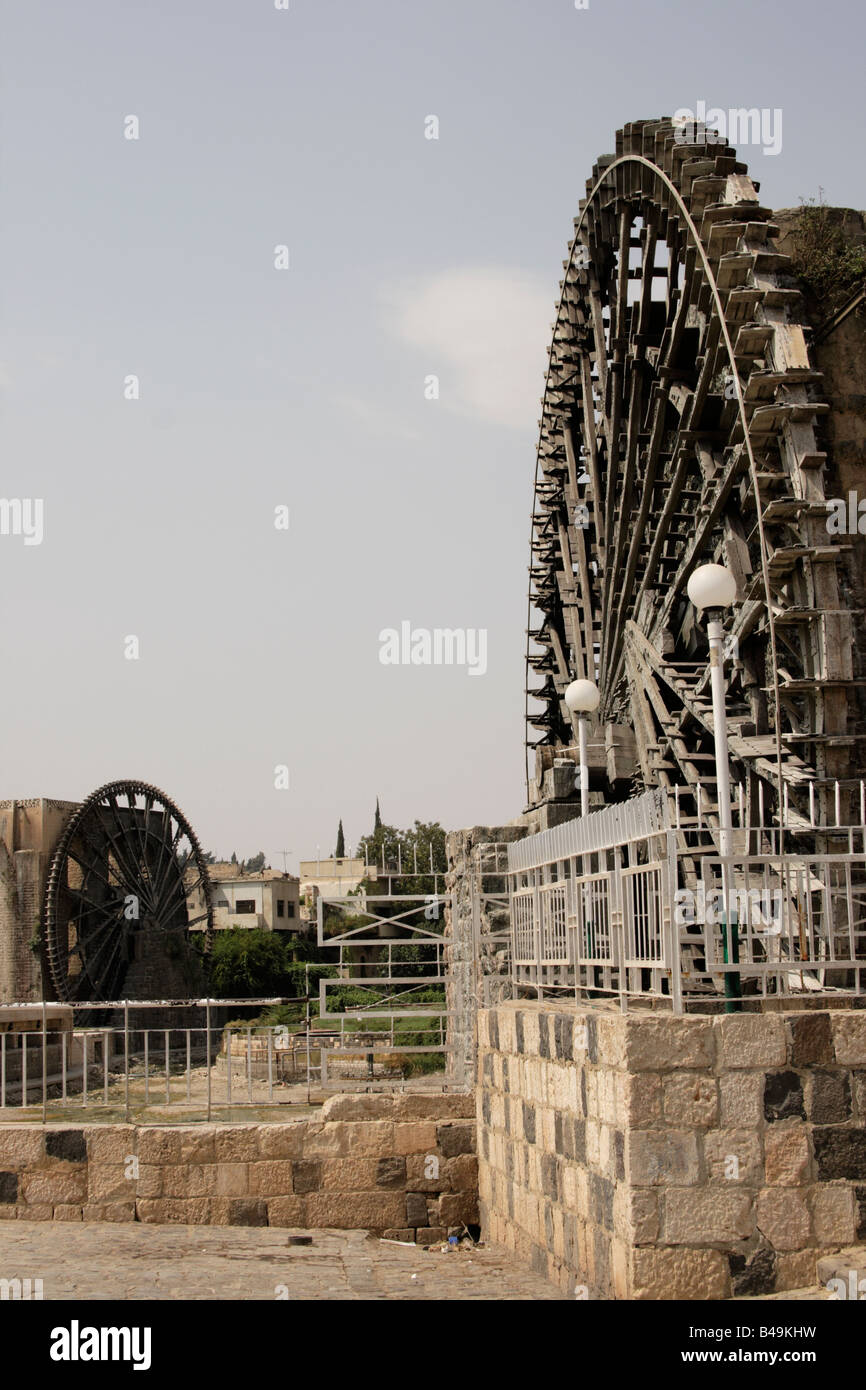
x=126, y=1056
x=167, y=1067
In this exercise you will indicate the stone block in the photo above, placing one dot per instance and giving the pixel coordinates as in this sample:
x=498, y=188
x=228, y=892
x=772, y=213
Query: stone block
x=458, y=1209
x=849, y=1038
x=829, y=1096
x=37, y=1211
x=417, y=1168
x=110, y=1143
x=811, y=1039
x=610, y=1041
x=404, y=1235
x=108, y=1211
x=20, y=1147
x=530, y=1032
x=751, y=1041
x=67, y=1144
x=270, y=1177
x=158, y=1146
x=706, y=1216
x=833, y=1215
x=783, y=1218
x=358, y=1107
x=8, y=1188
x=175, y=1211
x=460, y=1174
x=414, y=1137
x=679, y=1274
x=283, y=1141
x=840, y=1153
x=690, y=1100
x=306, y=1175
x=391, y=1172
x=741, y=1099
x=237, y=1145
x=233, y=1179
x=795, y=1269
x=416, y=1209
x=287, y=1211
x=197, y=1146
x=189, y=1180
x=346, y=1174
x=783, y=1096
x=356, y=1210
x=149, y=1181
x=352, y=1139
x=787, y=1158
x=454, y=1139
x=67, y=1213
x=658, y=1157
x=639, y=1099
x=247, y=1211
x=733, y=1155
x=454, y=1106
x=108, y=1181
x=68, y=1187
x=635, y=1215
x=659, y=1042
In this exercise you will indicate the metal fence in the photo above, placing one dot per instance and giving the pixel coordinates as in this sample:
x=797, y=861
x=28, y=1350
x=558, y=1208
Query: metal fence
x=54, y=1060
x=631, y=903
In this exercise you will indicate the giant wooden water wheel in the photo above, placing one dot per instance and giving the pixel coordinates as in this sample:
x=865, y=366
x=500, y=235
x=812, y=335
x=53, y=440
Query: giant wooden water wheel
x=680, y=426
x=127, y=886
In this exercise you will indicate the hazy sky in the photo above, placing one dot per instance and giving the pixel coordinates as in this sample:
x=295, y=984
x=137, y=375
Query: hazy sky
x=263, y=387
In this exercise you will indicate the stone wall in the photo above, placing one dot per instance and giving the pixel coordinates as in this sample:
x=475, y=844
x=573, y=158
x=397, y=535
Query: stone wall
x=402, y=1166
x=650, y=1157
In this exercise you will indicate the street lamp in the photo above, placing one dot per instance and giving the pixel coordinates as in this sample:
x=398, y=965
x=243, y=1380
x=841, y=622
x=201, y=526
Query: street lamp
x=712, y=588
x=582, y=698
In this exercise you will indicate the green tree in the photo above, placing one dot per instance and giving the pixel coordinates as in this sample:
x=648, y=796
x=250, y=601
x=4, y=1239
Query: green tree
x=340, y=852
x=249, y=965
x=256, y=864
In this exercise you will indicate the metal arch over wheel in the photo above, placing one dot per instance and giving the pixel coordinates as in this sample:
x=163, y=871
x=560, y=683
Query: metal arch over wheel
x=679, y=427
x=128, y=874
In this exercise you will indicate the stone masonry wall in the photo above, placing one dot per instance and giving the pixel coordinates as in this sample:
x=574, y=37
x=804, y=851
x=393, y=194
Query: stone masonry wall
x=650, y=1157
x=401, y=1166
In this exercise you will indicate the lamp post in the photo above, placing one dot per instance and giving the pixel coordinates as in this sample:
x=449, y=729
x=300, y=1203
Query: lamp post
x=581, y=698
x=712, y=588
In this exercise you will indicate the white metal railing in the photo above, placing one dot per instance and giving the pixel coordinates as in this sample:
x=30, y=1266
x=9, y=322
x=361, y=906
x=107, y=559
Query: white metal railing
x=633, y=902
x=130, y=1070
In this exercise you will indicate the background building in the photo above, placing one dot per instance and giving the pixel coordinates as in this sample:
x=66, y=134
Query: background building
x=269, y=901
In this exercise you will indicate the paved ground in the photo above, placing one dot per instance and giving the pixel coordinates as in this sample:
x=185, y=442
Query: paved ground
x=107, y=1260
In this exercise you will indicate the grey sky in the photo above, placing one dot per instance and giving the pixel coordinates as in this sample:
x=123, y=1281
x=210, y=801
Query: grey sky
x=259, y=387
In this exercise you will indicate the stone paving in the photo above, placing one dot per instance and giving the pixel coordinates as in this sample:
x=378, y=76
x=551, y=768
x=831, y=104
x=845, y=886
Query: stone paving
x=104, y=1260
